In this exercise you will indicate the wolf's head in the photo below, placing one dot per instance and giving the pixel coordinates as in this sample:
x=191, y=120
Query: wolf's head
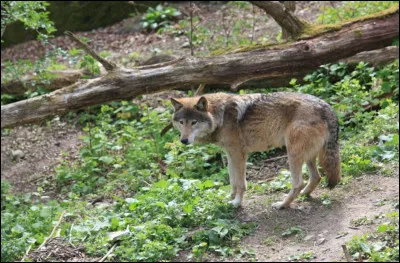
x=192, y=118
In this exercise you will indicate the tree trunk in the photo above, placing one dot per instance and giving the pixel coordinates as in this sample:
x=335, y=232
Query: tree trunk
x=62, y=78
x=283, y=15
x=233, y=69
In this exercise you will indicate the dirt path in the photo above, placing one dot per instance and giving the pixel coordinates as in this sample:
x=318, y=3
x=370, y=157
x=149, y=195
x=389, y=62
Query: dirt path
x=323, y=228
x=29, y=154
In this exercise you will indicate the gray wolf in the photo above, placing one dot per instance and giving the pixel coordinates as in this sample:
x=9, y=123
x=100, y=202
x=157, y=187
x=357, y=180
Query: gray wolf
x=241, y=124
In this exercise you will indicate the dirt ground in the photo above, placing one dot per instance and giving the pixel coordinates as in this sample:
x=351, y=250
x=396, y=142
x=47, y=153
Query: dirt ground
x=30, y=153
x=324, y=228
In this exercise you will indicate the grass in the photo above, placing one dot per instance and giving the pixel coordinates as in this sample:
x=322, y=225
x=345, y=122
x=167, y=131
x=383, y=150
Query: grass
x=162, y=198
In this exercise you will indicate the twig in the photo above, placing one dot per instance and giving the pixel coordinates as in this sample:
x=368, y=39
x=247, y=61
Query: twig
x=276, y=158
x=254, y=24
x=26, y=253
x=200, y=89
x=109, y=66
x=144, y=181
x=2, y=30
x=54, y=229
x=96, y=200
x=108, y=253
x=270, y=160
x=166, y=128
x=70, y=234
x=266, y=180
x=191, y=28
x=347, y=254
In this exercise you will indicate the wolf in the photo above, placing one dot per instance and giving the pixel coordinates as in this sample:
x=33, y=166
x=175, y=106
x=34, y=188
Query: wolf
x=241, y=124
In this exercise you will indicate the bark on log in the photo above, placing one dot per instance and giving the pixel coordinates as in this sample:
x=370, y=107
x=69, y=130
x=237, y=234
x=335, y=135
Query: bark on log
x=233, y=69
x=62, y=78
x=375, y=57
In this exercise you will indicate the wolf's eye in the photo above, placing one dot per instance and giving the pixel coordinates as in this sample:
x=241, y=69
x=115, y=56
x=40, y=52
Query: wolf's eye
x=194, y=122
x=181, y=122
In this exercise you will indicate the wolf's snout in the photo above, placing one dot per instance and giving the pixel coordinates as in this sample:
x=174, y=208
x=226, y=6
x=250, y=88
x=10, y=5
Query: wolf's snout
x=185, y=141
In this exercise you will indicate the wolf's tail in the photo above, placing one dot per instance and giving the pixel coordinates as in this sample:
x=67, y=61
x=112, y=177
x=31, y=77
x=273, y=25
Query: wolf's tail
x=329, y=157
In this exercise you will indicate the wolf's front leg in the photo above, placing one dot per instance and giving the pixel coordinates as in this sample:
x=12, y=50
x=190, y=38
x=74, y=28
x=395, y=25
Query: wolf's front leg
x=237, y=175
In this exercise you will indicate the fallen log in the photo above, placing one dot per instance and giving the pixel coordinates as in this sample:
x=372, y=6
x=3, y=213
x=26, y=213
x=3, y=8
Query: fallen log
x=65, y=78
x=58, y=80
x=233, y=69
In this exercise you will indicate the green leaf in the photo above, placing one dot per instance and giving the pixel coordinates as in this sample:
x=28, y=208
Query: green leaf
x=365, y=248
x=188, y=208
x=114, y=223
x=382, y=228
x=45, y=212
x=106, y=159
x=386, y=87
x=131, y=200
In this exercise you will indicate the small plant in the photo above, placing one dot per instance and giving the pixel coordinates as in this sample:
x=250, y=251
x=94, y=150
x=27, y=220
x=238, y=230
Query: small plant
x=293, y=231
x=381, y=246
x=268, y=241
x=282, y=182
x=89, y=63
x=326, y=199
x=361, y=221
x=306, y=256
x=159, y=17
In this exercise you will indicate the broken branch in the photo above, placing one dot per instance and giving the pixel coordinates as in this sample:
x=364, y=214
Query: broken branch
x=283, y=16
x=109, y=66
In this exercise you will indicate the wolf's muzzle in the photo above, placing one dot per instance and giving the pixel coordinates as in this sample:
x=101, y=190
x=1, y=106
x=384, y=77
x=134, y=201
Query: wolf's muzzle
x=185, y=141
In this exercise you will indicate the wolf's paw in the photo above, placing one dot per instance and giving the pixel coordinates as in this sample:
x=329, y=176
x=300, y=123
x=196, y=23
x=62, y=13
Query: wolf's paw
x=306, y=192
x=235, y=202
x=279, y=205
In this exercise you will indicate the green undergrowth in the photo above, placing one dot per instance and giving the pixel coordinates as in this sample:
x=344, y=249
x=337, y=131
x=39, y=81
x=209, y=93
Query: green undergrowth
x=162, y=198
x=381, y=244
x=350, y=10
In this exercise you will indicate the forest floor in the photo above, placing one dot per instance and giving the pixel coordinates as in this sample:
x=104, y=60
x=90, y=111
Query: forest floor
x=30, y=153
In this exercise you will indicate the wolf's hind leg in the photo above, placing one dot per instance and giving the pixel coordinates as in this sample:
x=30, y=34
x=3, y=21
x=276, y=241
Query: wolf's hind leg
x=303, y=142
x=295, y=165
x=315, y=178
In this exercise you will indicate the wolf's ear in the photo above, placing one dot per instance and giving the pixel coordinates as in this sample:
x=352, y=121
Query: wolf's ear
x=177, y=105
x=202, y=104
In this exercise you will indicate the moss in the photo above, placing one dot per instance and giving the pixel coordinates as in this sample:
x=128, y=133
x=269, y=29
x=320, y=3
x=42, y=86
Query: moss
x=309, y=32
x=358, y=33
x=249, y=48
x=315, y=30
